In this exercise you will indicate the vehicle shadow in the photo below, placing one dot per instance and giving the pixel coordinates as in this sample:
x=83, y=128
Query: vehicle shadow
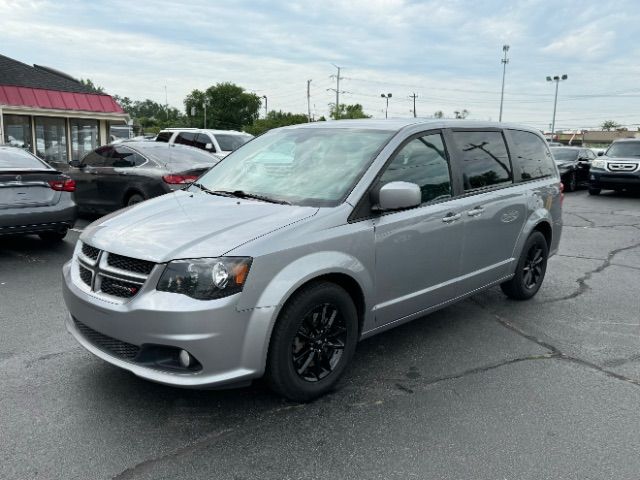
x=33, y=245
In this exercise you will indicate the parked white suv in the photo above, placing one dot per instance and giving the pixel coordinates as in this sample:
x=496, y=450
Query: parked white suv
x=220, y=142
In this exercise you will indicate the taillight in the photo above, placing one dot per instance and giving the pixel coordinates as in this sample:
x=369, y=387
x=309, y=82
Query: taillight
x=64, y=185
x=174, y=179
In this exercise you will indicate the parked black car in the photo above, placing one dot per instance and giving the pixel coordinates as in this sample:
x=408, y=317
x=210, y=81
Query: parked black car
x=116, y=176
x=34, y=198
x=573, y=164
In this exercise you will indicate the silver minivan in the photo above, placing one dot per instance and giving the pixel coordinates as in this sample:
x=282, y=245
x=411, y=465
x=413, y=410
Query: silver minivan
x=309, y=238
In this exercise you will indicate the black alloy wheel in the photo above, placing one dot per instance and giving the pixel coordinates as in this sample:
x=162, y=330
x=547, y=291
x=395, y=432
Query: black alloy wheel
x=313, y=341
x=530, y=270
x=572, y=182
x=319, y=343
x=135, y=198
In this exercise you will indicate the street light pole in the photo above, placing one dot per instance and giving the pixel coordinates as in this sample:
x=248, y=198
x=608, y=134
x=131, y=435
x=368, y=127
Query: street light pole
x=266, y=109
x=556, y=79
x=387, y=96
x=505, y=60
x=204, y=106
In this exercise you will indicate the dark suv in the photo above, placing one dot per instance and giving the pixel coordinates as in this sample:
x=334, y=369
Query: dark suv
x=617, y=169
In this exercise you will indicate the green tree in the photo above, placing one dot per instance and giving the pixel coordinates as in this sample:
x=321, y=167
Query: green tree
x=461, y=113
x=92, y=86
x=274, y=120
x=438, y=114
x=229, y=107
x=349, y=111
x=609, y=125
x=150, y=115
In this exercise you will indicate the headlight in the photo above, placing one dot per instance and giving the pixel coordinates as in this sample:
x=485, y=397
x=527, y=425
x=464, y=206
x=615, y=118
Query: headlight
x=598, y=163
x=205, y=278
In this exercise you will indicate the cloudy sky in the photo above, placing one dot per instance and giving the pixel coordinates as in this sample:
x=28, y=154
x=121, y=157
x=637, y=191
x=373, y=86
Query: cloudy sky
x=447, y=52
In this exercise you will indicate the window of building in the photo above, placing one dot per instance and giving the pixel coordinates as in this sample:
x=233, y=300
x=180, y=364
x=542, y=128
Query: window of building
x=51, y=139
x=84, y=137
x=422, y=161
x=531, y=156
x=17, y=131
x=485, y=161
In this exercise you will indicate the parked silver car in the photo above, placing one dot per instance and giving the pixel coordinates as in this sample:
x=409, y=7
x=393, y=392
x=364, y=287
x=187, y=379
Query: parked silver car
x=308, y=239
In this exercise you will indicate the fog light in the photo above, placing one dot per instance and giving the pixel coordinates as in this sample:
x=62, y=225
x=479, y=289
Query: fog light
x=185, y=358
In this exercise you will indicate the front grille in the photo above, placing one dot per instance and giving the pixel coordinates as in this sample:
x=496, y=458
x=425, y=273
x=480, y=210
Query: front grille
x=89, y=251
x=85, y=275
x=118, y=288
x=111, y=345
x=622, y=167
x=130, y=264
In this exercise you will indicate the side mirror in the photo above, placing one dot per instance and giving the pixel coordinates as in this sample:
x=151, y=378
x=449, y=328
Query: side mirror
x=399, y=195
x=600, y=153
x=208, y=146
x=76, y=164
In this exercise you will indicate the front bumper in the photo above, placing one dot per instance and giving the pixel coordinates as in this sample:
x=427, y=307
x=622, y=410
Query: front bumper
x=230, y=344
x=611, y=181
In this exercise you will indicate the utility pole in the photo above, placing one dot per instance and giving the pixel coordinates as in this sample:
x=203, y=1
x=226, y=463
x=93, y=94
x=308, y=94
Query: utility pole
x=387, y=96
x=309, y=100
x=337, y=90
x=204, y=106
x=505, y=60
x=266, y=109
x=414, y=96
x=166, y=103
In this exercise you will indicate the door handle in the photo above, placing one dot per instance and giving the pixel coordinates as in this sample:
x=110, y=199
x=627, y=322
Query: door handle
x=451, y=217
x=475, y=212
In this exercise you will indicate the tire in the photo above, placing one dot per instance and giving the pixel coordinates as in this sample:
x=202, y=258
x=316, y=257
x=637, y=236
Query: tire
x=594, y=191
x=53, y=237
x=298, y=341
x=134, y=198
x=571, y=182
x=525, y=285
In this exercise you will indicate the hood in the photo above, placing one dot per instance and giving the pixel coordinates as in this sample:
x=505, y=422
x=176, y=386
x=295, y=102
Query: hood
x=620, y=159
x=189, y=225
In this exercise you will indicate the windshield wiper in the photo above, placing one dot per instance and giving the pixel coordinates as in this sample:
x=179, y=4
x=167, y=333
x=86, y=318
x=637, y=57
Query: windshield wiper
x=243, y=194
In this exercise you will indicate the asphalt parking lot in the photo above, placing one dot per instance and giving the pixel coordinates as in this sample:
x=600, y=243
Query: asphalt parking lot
x=487, y=389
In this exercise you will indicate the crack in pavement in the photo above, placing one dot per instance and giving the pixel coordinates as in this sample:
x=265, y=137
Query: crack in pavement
x=555, y=351
x=590, y=222
x=582, y=281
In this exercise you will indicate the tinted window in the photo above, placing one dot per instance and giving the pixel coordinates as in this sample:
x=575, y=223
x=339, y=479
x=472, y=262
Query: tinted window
x=485, y=161
x=201, y=142
x=185, y=138
x=229, y=143
x=125, y=157
x=98, y=157
x=16, y=158
x=171, y=154
x=164, y=136
x=422, y=161
x=562, y=155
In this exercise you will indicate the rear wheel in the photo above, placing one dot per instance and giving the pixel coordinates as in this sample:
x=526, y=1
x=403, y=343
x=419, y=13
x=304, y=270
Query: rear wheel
x=571, y=182
x=53, y=237
x=312, y=343
x=594, y=191
x=135, y=198
x=530, y=270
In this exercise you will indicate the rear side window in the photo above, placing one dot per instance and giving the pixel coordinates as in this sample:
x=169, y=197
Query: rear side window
x=422, y=161
x=98, y=158
x=532, y=158
x=485, y=161
x=125, y=157
x=185, y=138
x=164, y=137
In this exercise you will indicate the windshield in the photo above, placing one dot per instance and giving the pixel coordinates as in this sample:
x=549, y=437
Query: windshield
x=14, y=158
x=303, y=166
x=229, y=143
x=624, y=149
x=564, y=154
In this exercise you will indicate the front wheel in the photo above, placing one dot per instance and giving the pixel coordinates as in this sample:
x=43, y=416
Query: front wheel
x=530, y=270
x=312, y=343
x=135, y=198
